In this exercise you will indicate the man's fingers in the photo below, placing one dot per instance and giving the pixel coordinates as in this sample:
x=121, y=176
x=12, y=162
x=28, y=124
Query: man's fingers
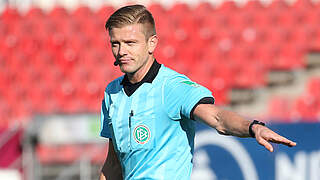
x=266, y=144
x=264, y=136
x=282, y=140
x=292, y=144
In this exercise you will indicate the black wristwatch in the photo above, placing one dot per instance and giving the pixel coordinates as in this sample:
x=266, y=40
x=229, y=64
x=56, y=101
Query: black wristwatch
x=252, y=134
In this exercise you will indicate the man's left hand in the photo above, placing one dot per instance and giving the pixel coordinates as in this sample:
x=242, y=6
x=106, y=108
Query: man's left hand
x=264, y=136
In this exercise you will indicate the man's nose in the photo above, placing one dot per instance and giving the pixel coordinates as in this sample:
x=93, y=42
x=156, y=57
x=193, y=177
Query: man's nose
x=122, y=50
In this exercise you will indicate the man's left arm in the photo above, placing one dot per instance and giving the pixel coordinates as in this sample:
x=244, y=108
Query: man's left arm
x=230, y=123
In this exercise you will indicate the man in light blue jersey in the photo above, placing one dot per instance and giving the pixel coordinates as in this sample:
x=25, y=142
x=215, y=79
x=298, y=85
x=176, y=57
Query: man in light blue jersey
x=149, y=113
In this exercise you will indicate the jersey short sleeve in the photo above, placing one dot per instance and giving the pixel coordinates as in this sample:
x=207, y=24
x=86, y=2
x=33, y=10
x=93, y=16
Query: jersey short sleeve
x=181, y=95
x=105, y=130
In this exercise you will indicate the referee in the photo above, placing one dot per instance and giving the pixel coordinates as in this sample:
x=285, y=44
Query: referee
x=149, y=113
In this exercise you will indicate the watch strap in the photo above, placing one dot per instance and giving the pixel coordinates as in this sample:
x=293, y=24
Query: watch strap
x=252, y=134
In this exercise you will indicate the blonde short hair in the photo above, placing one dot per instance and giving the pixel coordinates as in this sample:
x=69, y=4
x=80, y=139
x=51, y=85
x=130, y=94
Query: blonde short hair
x=131, y=15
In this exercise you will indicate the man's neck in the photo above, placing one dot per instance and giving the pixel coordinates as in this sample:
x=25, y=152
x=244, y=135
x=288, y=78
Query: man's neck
x=138, y=75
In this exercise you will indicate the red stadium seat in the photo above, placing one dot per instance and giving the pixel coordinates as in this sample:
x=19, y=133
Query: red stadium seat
x=303, y=5
x=315, y=41
x=243, y=19
x=68, y=153
x=214, y=78
x=312, y=17
x=219, y=81
x=278, y=35
x=285, y=57
x=157, y=9
x=45, y=154
x=203, y=8
x=306, y=108
x=288, y=17
x=60, y=21
x=55, y=42
x=104, y=12
x=82, y=12
x=35, y=12
x=58, y=12
x=10, y=14
x=263, y=20
x=278, y=5
x=275, y=9
x=266, y=53
x=98, y=153
x=279, y=108
x=313, y=87
x=302, y=36
x=11, y=43
x=253, y=6
x=249, y=74
x=293, y=55
x=39, y=92
x=160, y=16
x=30, y=45
x=227, y=7
x=180, y=9
x=6, y=107
x=222, y=19
x=21, y=109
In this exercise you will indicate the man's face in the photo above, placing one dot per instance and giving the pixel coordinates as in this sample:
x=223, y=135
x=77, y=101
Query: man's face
x=130, y=47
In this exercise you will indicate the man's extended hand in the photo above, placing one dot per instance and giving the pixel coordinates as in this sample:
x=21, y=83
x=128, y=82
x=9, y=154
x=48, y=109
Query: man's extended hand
x=264, y=136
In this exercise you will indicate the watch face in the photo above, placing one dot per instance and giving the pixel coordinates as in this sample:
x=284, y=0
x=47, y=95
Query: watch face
x=258, y=122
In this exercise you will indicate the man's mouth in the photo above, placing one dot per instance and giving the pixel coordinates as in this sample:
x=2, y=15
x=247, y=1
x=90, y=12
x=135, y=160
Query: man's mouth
x=124, y=60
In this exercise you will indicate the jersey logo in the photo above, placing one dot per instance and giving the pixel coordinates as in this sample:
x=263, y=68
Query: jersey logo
x=141, y=134
x=190, y=83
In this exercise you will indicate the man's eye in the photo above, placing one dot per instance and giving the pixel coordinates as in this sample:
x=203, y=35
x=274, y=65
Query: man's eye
x=114, y=44
x=130, y=43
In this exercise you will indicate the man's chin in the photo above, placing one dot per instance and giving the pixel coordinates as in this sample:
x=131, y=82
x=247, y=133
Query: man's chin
x=126, y=70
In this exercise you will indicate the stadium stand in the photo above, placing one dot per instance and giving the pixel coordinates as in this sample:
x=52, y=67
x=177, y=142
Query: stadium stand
x=306, y=106
x=64, y=54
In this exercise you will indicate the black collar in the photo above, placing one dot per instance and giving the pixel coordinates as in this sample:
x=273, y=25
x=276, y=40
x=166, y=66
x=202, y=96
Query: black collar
x=130, y=88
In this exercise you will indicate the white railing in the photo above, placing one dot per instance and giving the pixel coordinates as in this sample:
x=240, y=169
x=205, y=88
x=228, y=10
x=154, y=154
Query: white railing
x=24, y=5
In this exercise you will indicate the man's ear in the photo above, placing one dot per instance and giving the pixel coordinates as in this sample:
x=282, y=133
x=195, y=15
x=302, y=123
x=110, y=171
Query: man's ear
x=152, y=43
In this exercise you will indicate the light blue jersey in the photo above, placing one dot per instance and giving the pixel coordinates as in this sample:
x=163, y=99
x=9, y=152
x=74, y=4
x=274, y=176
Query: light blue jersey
x=151, y=130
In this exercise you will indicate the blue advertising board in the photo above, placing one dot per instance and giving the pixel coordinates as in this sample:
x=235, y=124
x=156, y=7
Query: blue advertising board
x=219, y=157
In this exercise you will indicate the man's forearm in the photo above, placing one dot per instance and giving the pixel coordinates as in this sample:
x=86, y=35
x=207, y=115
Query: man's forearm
x=232, y=123
x=224, y=121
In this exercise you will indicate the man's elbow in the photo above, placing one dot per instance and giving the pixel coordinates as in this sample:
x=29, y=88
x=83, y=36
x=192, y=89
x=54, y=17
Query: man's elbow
x=222, y=131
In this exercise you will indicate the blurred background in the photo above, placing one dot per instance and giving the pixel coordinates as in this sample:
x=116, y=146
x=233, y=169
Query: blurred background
x=259, y=58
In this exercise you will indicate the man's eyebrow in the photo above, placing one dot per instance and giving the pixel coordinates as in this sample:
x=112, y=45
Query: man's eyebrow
x=130, y=40
x=125, y=40
x=113, y=41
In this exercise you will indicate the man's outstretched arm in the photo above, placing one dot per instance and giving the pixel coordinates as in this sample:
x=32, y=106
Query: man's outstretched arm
x=230, y=123
x=111, y=169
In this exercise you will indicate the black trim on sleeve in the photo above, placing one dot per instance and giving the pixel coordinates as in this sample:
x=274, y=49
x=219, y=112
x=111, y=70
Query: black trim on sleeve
x=205, y=100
